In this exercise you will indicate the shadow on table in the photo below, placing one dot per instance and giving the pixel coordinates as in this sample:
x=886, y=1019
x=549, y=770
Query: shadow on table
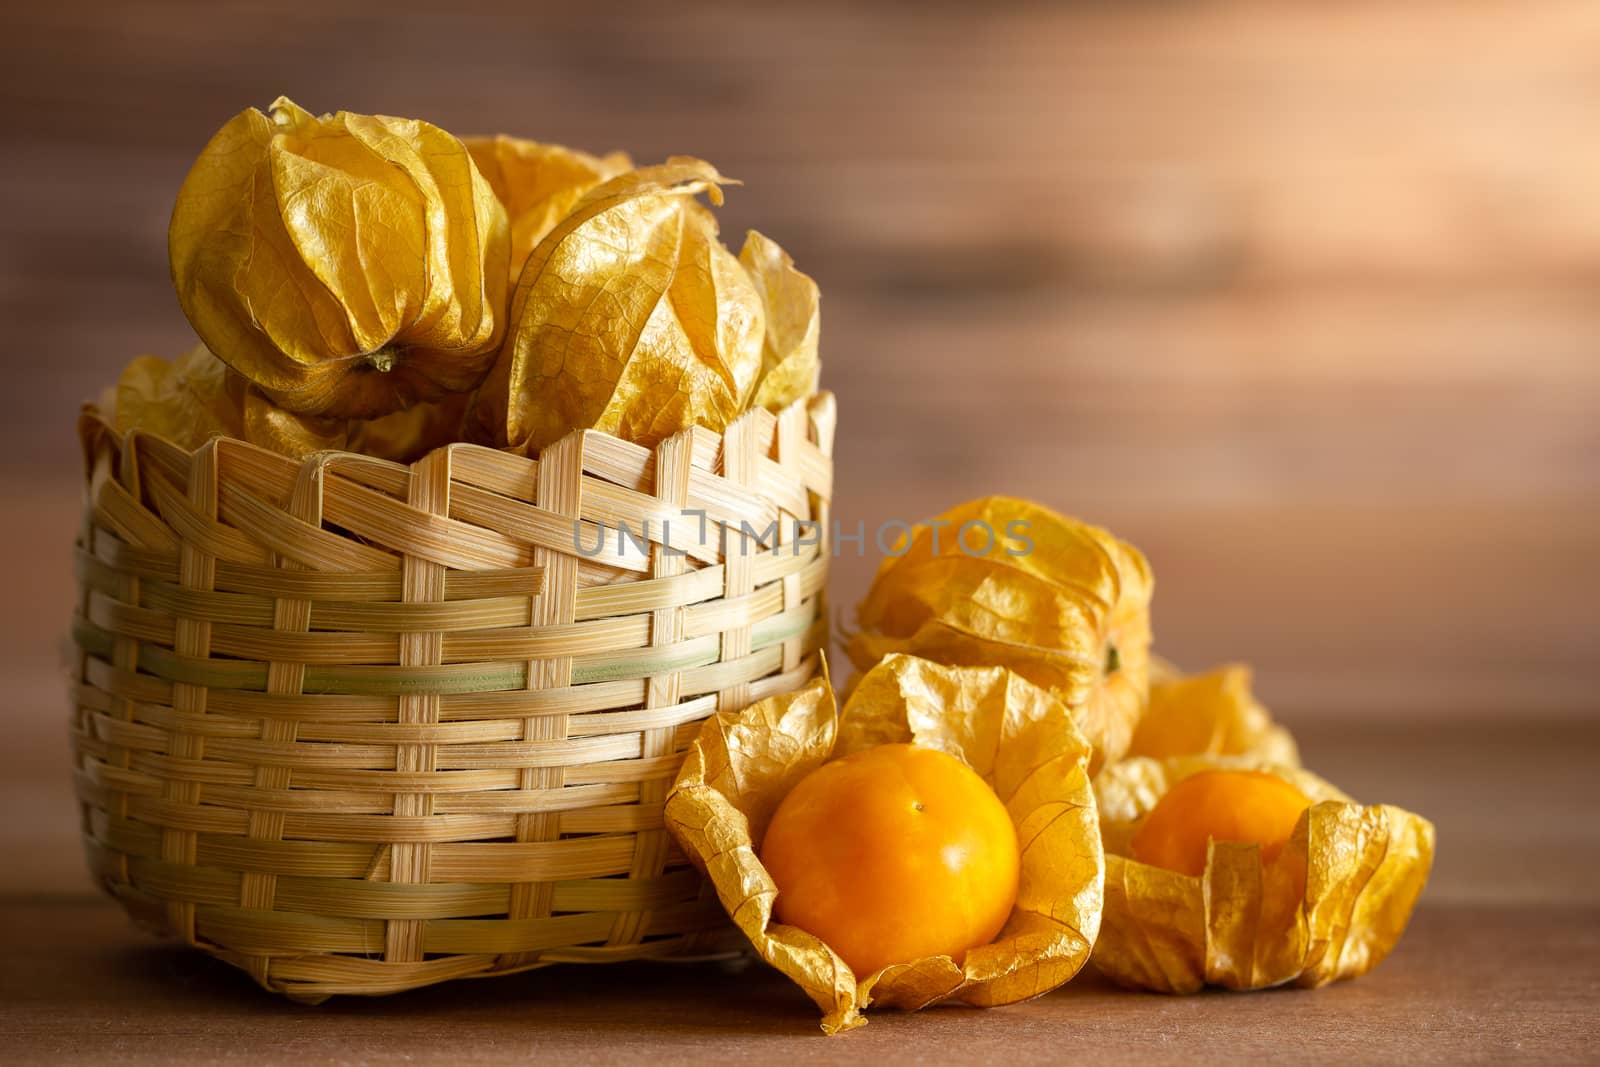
x=654, y=995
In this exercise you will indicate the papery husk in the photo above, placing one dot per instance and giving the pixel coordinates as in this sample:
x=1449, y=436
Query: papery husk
x=197, y=397
x=630, y=317
x=406, y=436
x=1071, y=613
x=1330, y=906
x=1017, y=736
x=1211, y=714
x=538, y=184
x=790, y=363
x=187, y=400
x=348, y=265
x=290, y=433
x=104, y=405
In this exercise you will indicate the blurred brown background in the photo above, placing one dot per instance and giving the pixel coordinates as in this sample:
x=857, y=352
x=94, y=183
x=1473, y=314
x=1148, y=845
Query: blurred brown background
x=1302, y=298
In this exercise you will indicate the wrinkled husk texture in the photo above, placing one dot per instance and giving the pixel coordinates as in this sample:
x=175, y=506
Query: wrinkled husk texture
x=1210, y=714
x=1005, y=582
x=346, y=265
x=538, y=184
x=630, y=316
x=195, y=397
x=1019, y=737
x=1330, y=906
x=378, y=285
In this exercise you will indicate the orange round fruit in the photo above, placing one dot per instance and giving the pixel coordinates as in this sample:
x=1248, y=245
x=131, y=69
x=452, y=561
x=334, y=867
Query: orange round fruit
x=1250, y=806
x=892, y=854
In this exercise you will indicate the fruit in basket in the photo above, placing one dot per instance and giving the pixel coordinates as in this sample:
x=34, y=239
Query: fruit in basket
x=793, y=306
x=347, y=265
x=290, y=433
x=360, y=267
x=406, y=436
x=1002, y=581
x=186, y=400
x=1221, y=805
x=539, y=184
x=196, y=397
x=630, y=317
x=891, y=854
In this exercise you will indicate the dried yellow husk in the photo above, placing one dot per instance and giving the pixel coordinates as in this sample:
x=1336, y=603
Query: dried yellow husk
x=196, y=397
x=290, y=433
x=1211, y=714
x=538, y=184
x=630, y=317
x=1063, y=603
x=1330, y=906
x=348, y=265
x=790, y=363
x=187, y=400
x=104, y=405
x=1016, y=735
x=406, y=436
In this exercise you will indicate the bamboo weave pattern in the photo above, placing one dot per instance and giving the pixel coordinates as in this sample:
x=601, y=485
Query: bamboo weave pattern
x=357, y=727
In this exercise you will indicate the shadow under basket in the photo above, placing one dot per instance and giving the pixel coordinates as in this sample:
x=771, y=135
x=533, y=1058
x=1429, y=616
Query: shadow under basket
x=358, y=727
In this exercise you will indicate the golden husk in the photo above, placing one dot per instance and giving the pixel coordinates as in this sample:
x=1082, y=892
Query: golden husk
x=790, y=363
x=1210, y=714
x=1330, y=906
x=1001, y=581
x=196, y=397
x=187, y=400
x=347, y=265
x=406, y=436
x=631, y=317
x=1016, y=735
x=290, y=433
x=538, y=184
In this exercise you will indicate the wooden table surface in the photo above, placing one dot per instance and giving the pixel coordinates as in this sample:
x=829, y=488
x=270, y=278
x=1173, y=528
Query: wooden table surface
x=1502, y=962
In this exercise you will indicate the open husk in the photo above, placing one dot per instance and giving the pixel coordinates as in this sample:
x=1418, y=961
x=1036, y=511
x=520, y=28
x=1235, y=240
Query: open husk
x=1007, y=582
x=1016, y=735
x=1330, y=906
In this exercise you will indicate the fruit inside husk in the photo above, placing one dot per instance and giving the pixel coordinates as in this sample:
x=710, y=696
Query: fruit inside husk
x=1017, y=737
x=1223, y=805
x=538, y=184
x=893, y=853
x=346, y=265
x=1002, y=581
x=632, y=317
x=1328, y=906
x=358, y=277
x=196, y=397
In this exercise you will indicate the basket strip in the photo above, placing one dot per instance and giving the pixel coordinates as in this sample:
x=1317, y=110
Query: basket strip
x=421, y=579
x=558, y=490
x=738, y=467
x=357, y=727
x=668, y=627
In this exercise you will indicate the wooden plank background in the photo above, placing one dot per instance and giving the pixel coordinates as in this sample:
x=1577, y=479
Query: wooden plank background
x=1304, y=299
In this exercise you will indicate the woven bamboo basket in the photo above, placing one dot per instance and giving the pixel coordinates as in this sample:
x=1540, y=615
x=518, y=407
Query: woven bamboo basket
x=358, y=727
